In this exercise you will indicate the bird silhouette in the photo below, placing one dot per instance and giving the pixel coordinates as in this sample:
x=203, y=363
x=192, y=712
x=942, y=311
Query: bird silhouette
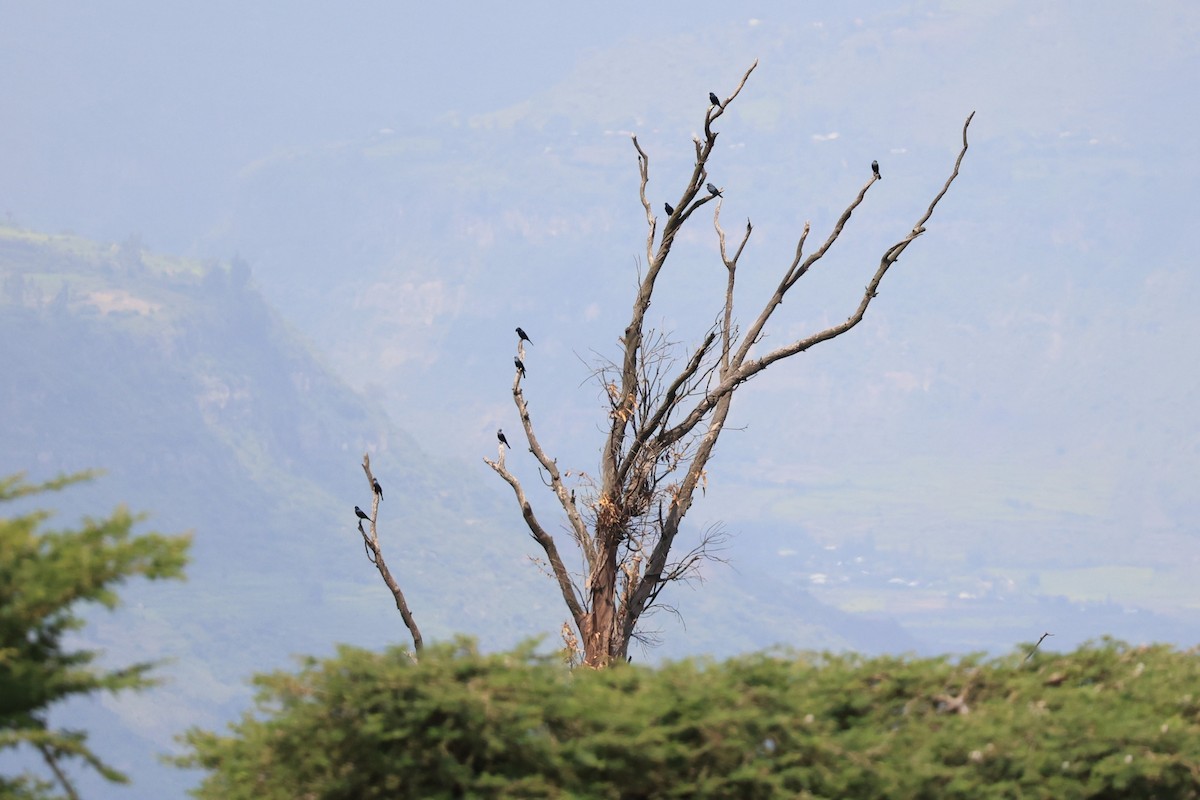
x=358, y=512
x=712, y=98
x=875, y=169
x=500, y=436
x=521, y=336
x=520, y=365
x=712, y=190
x=670, y=210
x=378, y=489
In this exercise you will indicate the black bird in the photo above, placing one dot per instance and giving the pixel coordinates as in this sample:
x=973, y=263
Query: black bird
x=519, y=365
x=500, y=436
x=714, y=190
x=522, y=337
x=358, y=512
x=712, y=98
x=377, y=487
x=875, y=169
x=670, y=210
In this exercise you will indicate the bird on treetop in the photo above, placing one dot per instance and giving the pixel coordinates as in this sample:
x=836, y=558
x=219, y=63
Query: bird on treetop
x=358, y=512
x=378, y=489
x=712, y=98
x=670, y=210
x=521, y=336
x=714, y=191
x=875, y=169
x=500, y=436
x=520, y=365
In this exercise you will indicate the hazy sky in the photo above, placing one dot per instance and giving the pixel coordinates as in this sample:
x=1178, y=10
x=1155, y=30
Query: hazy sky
x=111, y=92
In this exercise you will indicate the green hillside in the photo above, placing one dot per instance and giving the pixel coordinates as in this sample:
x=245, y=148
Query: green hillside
x=175, y=378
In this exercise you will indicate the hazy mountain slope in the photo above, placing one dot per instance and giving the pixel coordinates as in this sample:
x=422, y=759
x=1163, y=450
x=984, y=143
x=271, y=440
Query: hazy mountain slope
x=206, y=411
x=1017, y=405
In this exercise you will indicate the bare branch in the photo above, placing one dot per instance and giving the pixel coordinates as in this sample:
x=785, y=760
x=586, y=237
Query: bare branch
x=731, y=269
x=744, y=371
x=651, y=219
x=540, y=535
x=957, y=163
x=547, y=543
x=833, y=235
x=795, y=272
x=633, y=333
x=680, y=504
x=578, y=527
x=375, y=555
x=788, y=278
x=890, y=256
x=687, y=568
x=668, y=402
x=1036, y=646
x=713, y=115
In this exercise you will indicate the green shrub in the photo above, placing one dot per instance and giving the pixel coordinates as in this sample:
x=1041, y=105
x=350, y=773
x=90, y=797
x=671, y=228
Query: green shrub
x=1106, y=721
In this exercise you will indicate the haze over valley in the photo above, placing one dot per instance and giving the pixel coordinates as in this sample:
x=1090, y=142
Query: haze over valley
x=240, y=247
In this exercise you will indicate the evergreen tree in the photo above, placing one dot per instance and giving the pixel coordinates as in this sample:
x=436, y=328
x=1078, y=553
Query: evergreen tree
x=46, y=577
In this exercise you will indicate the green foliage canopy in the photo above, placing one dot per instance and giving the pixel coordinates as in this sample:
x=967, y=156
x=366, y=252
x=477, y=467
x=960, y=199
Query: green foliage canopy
x=1105, y=721
x=45, y=577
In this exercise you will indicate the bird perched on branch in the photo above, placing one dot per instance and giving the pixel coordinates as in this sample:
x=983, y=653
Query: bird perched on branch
x=521, y=336
x=670, y=210
x=358, y=512
x=712, y=98
x=875, y=169
x=500, y=436
x=378, y=489
x=714, y=191
x=520, y=365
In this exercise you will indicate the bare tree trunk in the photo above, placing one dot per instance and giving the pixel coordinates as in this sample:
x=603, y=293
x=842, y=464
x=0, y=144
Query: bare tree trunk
x=663, y=427
x=598, y=643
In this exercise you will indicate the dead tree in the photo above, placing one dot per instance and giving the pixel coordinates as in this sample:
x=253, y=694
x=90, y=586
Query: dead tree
x=375, y=556
x=665, y=416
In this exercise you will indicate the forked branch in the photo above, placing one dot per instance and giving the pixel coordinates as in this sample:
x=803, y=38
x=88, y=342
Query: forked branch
x=742, y=369
x=632, y=339
x=539, y=533
x=375, y=555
